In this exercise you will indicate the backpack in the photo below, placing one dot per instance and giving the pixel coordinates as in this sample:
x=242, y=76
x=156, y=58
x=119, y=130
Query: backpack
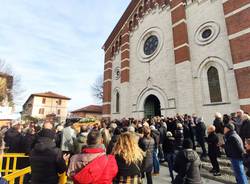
x=101, y=170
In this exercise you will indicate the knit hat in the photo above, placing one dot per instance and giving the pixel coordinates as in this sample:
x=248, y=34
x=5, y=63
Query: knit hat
x=187, y=144
x=169, y=134
x=47, y=133
x=230, y=126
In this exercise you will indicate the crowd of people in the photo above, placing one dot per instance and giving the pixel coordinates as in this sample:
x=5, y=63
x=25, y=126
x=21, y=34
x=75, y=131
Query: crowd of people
x=128, y=150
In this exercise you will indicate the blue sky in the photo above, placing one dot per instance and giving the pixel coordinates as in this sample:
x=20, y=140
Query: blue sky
x=55, y=45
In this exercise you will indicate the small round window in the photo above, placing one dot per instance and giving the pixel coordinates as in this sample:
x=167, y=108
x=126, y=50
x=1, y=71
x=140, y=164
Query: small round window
x=207, y=33
x=117, y=73
x=151, y=45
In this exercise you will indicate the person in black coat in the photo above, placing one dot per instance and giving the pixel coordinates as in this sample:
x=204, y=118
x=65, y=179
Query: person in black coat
x=13, y=138
x=179, y=136
x=169, y=151
x=218, y=123
x=200, y=136
x=46, y=159
x=246, y=158
x=234, y=150
x=113, y=140
x=245, y=128
x=187, y=165
x=213, y=150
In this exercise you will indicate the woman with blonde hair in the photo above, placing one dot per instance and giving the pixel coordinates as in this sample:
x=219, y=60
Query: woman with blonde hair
x=129, y=159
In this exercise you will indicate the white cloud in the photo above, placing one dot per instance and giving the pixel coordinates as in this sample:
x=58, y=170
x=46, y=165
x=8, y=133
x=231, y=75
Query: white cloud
x=56, y=45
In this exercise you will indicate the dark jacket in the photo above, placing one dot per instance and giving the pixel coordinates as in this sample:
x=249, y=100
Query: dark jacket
x=219, y=127
x=169, y=145
x=58, y=139
x=200, y=130
x=112, y=143
x=147, y=145
x=246, y=161
x=233, y=145
x=13, y=140
x=163, y=131
x=213, y=148
x=245, y=130
x=187, y=165
x=27, y=142
x=46, y=162
x=124, y=169
x=179, y=137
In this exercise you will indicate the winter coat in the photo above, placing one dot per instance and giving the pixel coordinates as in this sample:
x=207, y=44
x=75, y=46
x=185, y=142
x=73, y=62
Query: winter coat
x=213, y=148
x=245, y=130
x=147, y=145
x=155, y=134
x=27, y=142
x=92, y=166
x=187, y=165
x=68, y=138
x=233, y=145
x=46, y=162
x=13, y=140
x=186, y=131
x=112, y=143
x=163, y=131
x=179, y=137
x=125, y=170
x=246, y=161
x=169, y=145
x=58, y=139
x=219, y=127
x=200, y=130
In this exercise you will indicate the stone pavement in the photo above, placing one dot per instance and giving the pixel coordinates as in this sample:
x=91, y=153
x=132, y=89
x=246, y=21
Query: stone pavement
x=165, y=179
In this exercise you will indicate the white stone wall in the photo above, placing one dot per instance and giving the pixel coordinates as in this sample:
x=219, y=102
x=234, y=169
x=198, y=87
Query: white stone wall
x=181, y=85
x=218, y=52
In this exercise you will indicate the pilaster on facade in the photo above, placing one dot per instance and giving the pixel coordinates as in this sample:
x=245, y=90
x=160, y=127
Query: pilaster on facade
x=237, y=17
x=180, y=34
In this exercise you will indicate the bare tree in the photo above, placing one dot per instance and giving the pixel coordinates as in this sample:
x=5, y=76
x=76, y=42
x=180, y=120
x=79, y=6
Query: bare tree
x=97, y=88
x=14, y=90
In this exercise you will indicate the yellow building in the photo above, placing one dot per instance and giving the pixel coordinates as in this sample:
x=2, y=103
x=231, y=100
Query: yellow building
x=6, y=84
x=40, y=105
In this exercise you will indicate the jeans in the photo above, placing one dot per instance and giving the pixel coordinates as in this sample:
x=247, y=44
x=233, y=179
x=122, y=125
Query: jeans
x=170, y=160
x=239, y=171
x=156, y=162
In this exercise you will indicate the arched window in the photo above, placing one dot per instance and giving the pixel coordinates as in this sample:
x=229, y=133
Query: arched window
x=116, y=46
x=113, y=51
x=135, y=20
x=145, y=5
x=130, y=25
x=120, y=40
x=140, y=11
x=214, y=85
x=117, y=102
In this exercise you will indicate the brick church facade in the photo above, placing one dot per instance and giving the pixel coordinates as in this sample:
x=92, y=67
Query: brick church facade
x=178, y=56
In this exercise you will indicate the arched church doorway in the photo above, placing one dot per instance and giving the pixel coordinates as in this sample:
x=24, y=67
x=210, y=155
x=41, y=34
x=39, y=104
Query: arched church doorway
x=152, y=107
